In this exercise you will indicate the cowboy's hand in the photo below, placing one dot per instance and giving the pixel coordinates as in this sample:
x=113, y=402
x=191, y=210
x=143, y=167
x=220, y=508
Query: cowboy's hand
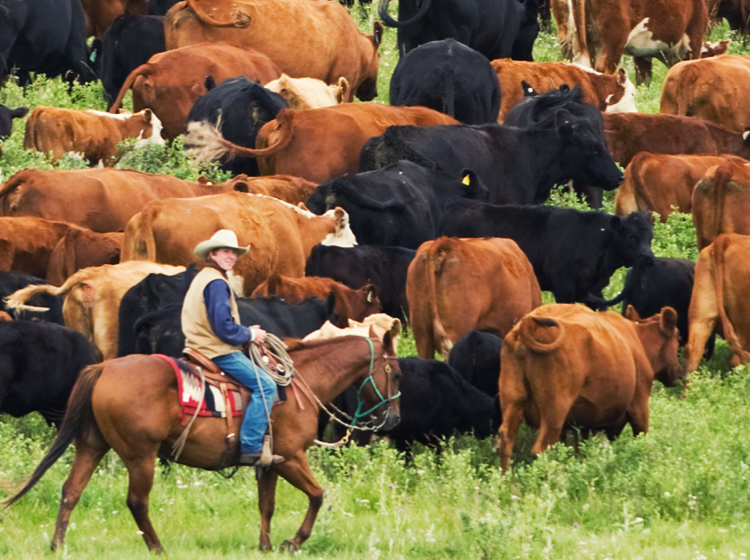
x=259, y=335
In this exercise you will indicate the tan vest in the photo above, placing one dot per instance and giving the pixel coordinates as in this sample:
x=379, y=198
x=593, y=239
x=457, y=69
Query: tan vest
x=195, y=324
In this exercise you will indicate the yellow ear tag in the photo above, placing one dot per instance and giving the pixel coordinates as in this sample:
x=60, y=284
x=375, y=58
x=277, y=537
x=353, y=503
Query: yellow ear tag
x=466, y=180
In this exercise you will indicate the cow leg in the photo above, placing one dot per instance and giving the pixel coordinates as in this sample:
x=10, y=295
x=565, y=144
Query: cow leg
x=506, y=435
x=89, y=452
x=424, y=339
x=643, y=70
x=266, y=503
x=297, y=472
x=552, y=420
x=141, y=479
x=700, y=332
x=611, y=53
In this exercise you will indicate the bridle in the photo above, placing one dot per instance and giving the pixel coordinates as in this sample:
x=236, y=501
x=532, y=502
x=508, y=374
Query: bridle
x=383, y=400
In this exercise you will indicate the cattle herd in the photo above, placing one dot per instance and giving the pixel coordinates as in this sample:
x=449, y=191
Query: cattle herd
x=429, y=209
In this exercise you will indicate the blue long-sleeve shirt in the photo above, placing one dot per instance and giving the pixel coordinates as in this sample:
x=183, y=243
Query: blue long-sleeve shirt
x=217, y=297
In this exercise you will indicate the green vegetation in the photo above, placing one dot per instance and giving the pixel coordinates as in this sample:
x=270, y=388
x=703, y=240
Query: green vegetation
x=680, y=492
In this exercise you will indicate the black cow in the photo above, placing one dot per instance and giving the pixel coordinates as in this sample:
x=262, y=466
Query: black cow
x=159, y=7
x=654, y=283
x=398, y=205
x=154, y=292
x=46, y=36
x=161, y=331
x=129, y=42
x=573, y=253
x=476, y=357
x=244, y=107
x=495, y=28
x=39, y=364
x=518, y=165
x=448, y=77
x=6, y=119
x=11, y=282
x=437, y=402
x=384, y=267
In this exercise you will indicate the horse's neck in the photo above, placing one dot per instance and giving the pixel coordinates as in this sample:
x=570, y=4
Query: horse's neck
x=328, y=370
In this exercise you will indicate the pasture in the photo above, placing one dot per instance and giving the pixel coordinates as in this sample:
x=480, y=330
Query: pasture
x=680, y=492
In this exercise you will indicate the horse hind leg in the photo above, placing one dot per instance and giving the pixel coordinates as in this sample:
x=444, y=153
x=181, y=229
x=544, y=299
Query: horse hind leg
x=140, y=480
x=89, y=453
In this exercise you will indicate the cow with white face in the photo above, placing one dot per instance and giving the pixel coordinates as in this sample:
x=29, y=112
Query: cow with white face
x=309, y=93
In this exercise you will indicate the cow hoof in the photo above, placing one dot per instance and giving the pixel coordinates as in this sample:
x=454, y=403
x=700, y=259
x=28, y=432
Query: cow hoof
x=289, y=546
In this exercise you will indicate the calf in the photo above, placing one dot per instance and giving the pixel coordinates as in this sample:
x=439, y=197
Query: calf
x=26, y=244
x=436, y=402
x=93, y=133
x=40, y=364
x=399, y=205
x=476, y=357
x=495, y=272
x=309, y=93
x=566, y=365
x=350, y=303
x=662, y=183
x=6, y=119
x=82, y=248
x=448, y=77
x=11, y=282
x=384, y=267
x=573, y=253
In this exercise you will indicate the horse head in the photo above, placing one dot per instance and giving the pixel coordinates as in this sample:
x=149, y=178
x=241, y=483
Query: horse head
x=378, y=392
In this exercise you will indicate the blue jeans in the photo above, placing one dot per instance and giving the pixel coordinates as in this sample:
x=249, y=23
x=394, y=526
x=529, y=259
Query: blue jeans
x=255, y=422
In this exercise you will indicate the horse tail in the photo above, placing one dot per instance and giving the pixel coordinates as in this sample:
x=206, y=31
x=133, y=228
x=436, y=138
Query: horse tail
x=79, y=416
x=241, y=18
x=528, y=328
x=390, y=22
x=730, y=335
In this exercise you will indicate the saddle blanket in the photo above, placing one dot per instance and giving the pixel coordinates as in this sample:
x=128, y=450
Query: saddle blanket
x=190, y=389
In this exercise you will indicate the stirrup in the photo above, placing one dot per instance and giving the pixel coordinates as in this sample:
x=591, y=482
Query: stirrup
x=267, y=458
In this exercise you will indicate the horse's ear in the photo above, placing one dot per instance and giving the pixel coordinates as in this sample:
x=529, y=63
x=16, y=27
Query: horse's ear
x=372, y=333
x=388, y=342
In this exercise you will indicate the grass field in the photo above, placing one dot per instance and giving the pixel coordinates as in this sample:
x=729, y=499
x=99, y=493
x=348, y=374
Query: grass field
x=680, y=492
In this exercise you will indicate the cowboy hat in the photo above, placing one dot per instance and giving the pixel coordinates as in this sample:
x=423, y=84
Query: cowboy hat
x=224, y=238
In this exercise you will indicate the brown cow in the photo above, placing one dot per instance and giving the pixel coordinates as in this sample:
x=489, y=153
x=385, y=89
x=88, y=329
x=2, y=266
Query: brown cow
x=171, y=82
x=710, y=88
x=102, y=200
x=350, y=303
x=318, y=144
x=720, y=299
x=306, y=39
x=630, y=133
x=92, y=299
x=92, y=133
x=455, y=286
x=596, y=34
x=101, y=13
x=27, y=243
x=564, y=364
x=721, y=201
x=661, y=182
x=309, y=93
x=294, y=190
x=612, y=94
x=82, y=248
x=281, y=235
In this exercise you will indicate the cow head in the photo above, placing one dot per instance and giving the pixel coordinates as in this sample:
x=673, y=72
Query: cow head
x=342, y=235
x=632, y=236
x=661, y=341
x=6, y=119
x=368, y=88
x=528, y=29
x=474, y=188
x=622, y=97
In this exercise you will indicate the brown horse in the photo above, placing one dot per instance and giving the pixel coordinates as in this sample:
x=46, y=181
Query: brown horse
x=131, y=405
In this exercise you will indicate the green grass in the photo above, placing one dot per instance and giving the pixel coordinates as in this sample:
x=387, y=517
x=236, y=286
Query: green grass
x=680, y=492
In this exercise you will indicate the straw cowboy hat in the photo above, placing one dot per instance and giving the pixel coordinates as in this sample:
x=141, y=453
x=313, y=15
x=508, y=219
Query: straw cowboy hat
x=224, y=238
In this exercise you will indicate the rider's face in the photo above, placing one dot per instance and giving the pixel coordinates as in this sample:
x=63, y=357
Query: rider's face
x=224, y=258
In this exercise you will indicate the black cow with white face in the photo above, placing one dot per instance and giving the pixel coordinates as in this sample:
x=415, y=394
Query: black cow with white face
x=129, y=42
x=518, y=165
x=384, y=267
x=448, y=77
x=495, y=28
x=573, y=253
x=6, y=119
x=399, y=205
x=45, y=36
x=244, y=107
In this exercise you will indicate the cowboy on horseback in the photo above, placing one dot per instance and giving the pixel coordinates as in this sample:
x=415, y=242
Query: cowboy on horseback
x=211, y=325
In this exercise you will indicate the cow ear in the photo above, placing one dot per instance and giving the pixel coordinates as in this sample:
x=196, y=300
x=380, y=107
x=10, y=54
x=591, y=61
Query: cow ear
x=341, y=217
x=650, y=218
x=209, y=83
x=668, y=320
x=203, y=180
x=746, y=134
x=372, y=293
x=528, y=91
x=147, y=114
x=241, y=186
x=615, y=222
x=622, y=77
x=19, y=112
x=377, y=34
x=344, y=88
x=632, y=314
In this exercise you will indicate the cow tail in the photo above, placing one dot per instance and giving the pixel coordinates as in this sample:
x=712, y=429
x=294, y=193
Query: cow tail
x=390, y=22
x=579, y=32
x=636, y=178
x=529, y=327
x=138, y=243
x=18, y=299
x=721, y=178
x=79, y=417
x=14, y=183
x=435, y=261
x=29, y=136
x=142, y=69
x=450, y=97
x=730, y=335
x=241, y=18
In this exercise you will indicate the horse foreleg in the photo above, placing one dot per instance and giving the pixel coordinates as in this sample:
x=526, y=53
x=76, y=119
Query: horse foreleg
x=140, y=481
x=88, y=456
x=297, y=472
x=266, y=502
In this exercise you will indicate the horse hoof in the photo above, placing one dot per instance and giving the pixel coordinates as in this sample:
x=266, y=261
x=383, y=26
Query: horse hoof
x=289, y=546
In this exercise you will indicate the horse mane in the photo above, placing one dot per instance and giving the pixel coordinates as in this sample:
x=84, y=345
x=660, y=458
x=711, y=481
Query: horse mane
x=294, y=344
